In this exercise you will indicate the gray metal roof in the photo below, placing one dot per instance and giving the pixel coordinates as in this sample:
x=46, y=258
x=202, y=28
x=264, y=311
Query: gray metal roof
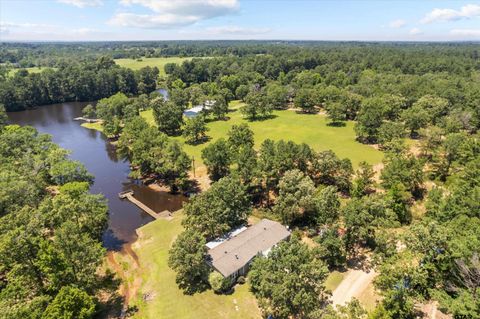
x=236, y=252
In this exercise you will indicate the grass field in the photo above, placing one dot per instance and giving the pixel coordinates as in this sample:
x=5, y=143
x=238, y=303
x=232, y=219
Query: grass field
x=158, y=281
x=288, y=125
x=158, y=62
x=35, y=69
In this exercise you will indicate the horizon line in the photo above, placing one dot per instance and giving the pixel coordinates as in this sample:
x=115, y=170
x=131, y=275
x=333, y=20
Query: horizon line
x=239, y=40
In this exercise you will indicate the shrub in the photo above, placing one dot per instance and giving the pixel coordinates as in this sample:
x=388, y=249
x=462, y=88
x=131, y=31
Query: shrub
x=241, y=280
x=218, y=282
x=89, y=112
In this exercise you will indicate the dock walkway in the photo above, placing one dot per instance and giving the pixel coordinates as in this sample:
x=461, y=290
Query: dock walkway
x=129, y=195
x=81, y=118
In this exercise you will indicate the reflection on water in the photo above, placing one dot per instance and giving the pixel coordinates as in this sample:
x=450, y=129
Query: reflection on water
x=158, y=203
x=99, y=156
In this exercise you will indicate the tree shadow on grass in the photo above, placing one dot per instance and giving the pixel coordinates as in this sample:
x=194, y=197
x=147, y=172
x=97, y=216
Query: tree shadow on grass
x=359, y=262
x=227, y=292
x=110, y=303
x=262, y=118
x=200, y=141
x=307, y=113
x=113, y=307
x=337, y=124
x=193, y=288
x=176, y=133
x=340, y=268
x=213, y=119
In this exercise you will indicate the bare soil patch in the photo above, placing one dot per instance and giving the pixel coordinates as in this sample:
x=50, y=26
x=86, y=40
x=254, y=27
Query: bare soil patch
x=356, y=284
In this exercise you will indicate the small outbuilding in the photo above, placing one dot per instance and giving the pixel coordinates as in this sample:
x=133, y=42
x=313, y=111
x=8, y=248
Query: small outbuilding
x=194, y=111
x=232, y=256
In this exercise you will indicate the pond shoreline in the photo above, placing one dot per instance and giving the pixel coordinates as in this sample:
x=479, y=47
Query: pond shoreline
x=98, y=154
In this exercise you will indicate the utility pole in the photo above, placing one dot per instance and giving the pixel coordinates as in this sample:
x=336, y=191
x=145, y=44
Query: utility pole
x=193, y=165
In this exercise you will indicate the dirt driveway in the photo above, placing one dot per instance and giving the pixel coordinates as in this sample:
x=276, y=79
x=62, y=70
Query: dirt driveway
x=355, y=283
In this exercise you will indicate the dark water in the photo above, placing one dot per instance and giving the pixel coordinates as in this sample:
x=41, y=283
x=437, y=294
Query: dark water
x=111, y=173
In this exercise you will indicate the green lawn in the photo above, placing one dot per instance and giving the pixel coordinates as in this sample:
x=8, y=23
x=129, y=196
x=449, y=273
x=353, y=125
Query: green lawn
x=93, y=126
x=158, y=62
x=334, y=279
x=289, y=125
x=158, y=281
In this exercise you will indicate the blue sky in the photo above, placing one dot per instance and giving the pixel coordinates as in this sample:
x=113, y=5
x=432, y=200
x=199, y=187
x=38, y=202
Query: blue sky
x=79, y=20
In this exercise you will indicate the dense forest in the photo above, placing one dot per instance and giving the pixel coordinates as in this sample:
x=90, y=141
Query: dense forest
x=49, y=54
x=416, y=217
x=50, y=230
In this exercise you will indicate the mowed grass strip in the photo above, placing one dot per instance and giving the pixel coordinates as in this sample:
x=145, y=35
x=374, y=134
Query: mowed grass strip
x=312, y=129
x=135, y=64
x=158, y=281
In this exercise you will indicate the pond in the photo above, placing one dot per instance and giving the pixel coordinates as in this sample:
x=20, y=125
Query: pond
x=94, y=150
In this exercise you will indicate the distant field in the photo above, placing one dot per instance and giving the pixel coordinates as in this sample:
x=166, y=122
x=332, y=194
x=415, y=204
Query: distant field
x=158, y=281
x=288, y=125
x=35, y=69
x=127, y=63
x=158, y=62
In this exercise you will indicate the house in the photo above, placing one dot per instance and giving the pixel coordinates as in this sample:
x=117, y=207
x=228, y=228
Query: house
x=232, y=256
x=194, y=111
x=209, y=103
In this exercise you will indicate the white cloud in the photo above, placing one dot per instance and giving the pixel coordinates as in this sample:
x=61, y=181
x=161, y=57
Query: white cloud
x=415, y=31
x=237, y=30
x=187, y=7
x=466, y=12
x=466, y=32
x=8, y=27
x=167, y=13
x=58, y=34
x=395, y=24
x=39, y=31
x=151, y=21
x=82, y=3
x=230, y=30
x=25, y=25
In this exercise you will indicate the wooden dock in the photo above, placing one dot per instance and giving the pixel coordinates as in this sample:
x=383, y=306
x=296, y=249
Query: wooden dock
x=81, y=118
x=129, y=195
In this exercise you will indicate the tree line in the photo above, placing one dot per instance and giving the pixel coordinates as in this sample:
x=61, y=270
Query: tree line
x=48, y=54
x=87, y=81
